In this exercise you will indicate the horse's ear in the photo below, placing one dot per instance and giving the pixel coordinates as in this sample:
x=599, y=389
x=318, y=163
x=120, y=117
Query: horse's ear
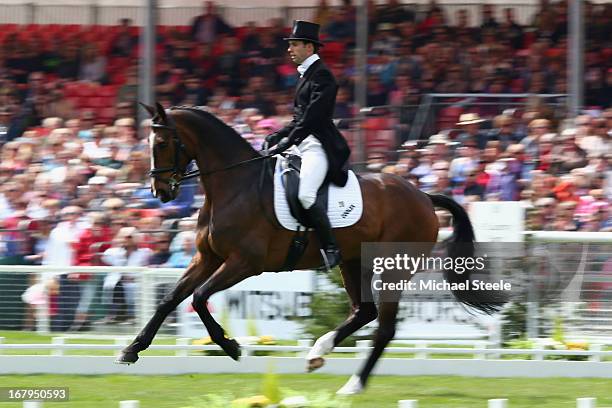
x=149, y=108
x=161, y=112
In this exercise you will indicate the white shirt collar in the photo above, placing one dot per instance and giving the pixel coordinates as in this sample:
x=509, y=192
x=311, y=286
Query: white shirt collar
x=307, y=63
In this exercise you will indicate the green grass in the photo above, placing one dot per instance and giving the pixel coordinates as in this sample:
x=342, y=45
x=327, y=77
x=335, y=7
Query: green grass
x=384, y=391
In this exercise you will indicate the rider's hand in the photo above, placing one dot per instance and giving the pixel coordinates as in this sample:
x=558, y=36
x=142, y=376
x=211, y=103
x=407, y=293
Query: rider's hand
x=280, y=147
x=272, y=138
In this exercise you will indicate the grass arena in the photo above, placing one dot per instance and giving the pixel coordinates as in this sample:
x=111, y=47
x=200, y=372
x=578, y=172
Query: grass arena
x=384, y=391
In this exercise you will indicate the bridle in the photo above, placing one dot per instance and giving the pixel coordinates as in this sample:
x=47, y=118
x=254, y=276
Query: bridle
x=175, y=179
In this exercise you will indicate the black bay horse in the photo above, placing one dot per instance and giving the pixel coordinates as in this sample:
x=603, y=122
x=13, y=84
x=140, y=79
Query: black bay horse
x=238, y=235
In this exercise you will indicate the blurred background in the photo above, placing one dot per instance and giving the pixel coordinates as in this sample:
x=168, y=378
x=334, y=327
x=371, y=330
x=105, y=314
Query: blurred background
x=485, y=102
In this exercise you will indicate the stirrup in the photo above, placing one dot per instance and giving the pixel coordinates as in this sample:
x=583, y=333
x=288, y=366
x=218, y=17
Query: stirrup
x=330, y=263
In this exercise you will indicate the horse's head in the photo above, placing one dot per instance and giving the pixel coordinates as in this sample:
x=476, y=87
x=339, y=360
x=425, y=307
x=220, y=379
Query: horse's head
x=169, y=158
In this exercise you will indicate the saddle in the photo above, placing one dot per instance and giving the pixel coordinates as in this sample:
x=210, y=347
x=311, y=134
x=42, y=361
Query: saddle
x=344, y=204
x=290, y=176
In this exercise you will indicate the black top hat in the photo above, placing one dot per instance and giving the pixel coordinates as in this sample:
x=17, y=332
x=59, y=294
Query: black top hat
x=305, y=31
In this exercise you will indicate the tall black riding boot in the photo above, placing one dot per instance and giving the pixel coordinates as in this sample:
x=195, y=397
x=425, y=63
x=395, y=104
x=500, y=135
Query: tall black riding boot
x=329, y=248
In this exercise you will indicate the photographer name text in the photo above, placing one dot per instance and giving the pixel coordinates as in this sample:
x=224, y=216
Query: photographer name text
x=441, y=285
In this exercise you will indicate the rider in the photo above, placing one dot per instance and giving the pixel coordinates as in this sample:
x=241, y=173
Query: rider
x=323, y=149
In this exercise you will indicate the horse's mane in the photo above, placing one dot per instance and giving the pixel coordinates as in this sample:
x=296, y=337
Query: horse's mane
x=206, y=114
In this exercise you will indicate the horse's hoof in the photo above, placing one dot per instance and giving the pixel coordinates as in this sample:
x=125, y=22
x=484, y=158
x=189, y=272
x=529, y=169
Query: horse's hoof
x=353, y=386
x=232, y=348
x=127, y=358
x=315, y=363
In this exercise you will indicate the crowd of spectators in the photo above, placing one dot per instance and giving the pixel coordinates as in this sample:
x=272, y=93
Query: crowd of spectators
x=75, y=191
x=561, y=174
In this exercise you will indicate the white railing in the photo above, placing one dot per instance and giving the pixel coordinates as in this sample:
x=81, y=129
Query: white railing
x=479, y=351
x=554, y=236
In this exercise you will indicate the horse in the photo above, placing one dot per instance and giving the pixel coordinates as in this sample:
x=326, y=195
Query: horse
x=238, y=235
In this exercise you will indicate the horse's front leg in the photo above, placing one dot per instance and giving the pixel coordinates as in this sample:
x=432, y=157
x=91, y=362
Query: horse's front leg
x=235, y=269
x=200, y=269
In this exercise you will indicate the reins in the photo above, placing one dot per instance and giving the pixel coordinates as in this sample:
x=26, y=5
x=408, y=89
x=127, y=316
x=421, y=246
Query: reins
x=194, y=173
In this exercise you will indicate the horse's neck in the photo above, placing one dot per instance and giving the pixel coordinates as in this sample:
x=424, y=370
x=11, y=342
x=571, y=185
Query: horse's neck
x=223, y=186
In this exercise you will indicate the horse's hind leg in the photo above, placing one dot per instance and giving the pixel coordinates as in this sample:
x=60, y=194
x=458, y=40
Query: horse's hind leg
x=386, y=331
x=232, y=271
x=197, y=272
x=361, y=314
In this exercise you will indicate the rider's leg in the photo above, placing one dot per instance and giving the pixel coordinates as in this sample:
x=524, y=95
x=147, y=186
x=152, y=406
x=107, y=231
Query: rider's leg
x=312, y=175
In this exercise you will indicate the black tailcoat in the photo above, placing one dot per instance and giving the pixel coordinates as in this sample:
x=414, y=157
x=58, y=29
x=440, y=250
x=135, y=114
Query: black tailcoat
x=313, y=107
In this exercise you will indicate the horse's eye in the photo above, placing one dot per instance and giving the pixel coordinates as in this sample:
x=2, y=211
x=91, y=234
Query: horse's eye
x=162, y=145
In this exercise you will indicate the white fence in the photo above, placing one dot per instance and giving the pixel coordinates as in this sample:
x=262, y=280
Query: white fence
x=422, y=362
x=59, y=345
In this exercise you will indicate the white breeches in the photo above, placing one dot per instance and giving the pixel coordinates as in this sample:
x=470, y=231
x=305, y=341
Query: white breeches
x=314, y=170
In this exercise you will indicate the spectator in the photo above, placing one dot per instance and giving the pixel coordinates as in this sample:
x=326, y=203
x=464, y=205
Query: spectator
x=564, y=220
x=208, y=27
x=505, y=174
x=394, y=12
x=263, y=128
x=503, y=131
x=90, y=244
x=511, y=30
x=465, y=163
x=567, y=155
x=186, y=227
x=60, y=252
x=128, y=91
x=136, y=168
x=70, y=64
x=93, y=65
x=537, y=128
x=59, y=249
x=111, y=157
x=195, y=93
x=161, y=249
x=40, y=235
x=488, y=17
x=124, y=43
x=229, y=65
x=119, y=288
x=470, y=126
x=341, y=27
x=11, y=126
x=183, y=257
x=323, y=13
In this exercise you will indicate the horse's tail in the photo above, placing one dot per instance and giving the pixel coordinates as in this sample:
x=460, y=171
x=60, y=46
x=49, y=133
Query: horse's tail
x=461, y=244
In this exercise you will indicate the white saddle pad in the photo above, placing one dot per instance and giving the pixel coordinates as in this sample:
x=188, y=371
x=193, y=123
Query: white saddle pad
x=344, y=204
